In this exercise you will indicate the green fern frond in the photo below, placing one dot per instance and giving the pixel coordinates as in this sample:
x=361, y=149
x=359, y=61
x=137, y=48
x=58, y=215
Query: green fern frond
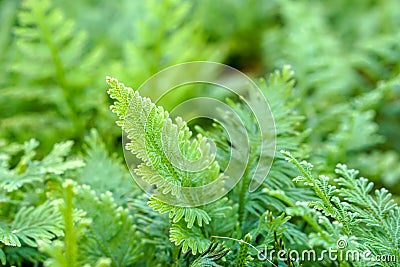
x=357, y=190
x=191, y=215
x=65, y=253
x=322, y=189
x=154, y=228
x=177, y=26
x=243, y=258
x=67, y=66
x=107, y=229
x=105, y=172
x=352, y=205
x=32, y=225
x=29, y=171
x=378, y=211
x=144, y=124
x=192, y=239
x=122, y=96
x=269, y=225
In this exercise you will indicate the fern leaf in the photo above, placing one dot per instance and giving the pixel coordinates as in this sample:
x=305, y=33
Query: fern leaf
x=162, y=145
x=378, y=212
x=269, y=225
x=7, y=237
x=67, y=64
x=360, y=207
x=191, y=215
x=243, y=258
x=111, y=233
x=122, y=95
x=29, y=171
x=144, y=124
x=65, y=253
x=104, y=172
x=321, y=187
x=32, y=225
x=189, y=238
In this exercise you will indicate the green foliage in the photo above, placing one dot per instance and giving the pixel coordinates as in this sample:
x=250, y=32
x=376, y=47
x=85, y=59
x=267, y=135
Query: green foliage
x=31, y=180
x=334, y=98
x=29, y=171
x=111, y=233
x=143, y=123
x=137, y=121
x=61, y=91
x=65, y=253
x=354, y=208
x=243, y=259
x=62, y=87
x=161, y=36
x=363, y=57
x=104, y=172
x=210, y=256
x=32, y=225
x=25, y=182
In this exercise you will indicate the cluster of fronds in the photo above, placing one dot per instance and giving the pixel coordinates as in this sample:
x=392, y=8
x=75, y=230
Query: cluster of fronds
x=279, y=194
x=64, y=205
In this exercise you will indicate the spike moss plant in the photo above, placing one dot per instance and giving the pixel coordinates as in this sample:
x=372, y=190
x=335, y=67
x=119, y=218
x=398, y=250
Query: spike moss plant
x=83, y=209
x=67, y=198
x=303, y=209
x=67, y=209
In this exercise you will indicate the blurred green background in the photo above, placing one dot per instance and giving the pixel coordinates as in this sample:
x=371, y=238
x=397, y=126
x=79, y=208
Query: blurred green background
x=54, y=56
